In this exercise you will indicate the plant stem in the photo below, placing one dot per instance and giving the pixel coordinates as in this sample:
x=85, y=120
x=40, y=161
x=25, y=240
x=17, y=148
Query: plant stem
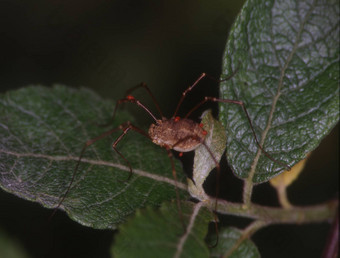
x=248, y=189
x=283, y=198
x=277, y=215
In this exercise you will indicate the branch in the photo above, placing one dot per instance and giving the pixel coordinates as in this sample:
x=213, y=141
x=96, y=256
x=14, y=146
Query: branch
x=276, y=215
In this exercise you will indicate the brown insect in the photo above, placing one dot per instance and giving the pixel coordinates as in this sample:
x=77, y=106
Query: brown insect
x=175, y=133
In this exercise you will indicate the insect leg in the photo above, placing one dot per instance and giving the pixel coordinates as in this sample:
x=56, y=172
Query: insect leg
x=203, y=75
x=128, y=92
x=126, y=127
x=87, y=144
x=217, y=165
x=129, y=99
x=176, y=187
x=186, y=91
x=217, y=190
x=240, y=103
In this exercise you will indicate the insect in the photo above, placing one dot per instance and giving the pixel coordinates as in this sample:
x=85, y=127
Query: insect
x=180, y=134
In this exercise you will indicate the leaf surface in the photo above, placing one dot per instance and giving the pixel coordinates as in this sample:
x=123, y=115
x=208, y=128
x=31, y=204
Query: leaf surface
x=213, y=148
x=228, y=238
x=42, y=132
x=11, y=247
x=286, y=54
x=159, y=233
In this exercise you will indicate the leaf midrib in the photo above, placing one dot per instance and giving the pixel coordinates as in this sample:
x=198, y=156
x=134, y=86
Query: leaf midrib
x=100, y=163
x=278, y=94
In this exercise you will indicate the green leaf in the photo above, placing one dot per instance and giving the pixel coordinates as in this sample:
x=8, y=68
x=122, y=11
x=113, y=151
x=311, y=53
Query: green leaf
x=10, y=247
x=160, y=233
x=227, y=244
x=42, y=132
x=214, y=144
x=287, y=56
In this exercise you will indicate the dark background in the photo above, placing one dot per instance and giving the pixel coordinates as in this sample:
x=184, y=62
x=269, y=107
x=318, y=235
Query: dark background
x=111, y=46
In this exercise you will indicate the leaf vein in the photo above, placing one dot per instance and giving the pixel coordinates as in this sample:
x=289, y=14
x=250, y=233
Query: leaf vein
x=183, y=239
x=278, y=93
x=139, y=172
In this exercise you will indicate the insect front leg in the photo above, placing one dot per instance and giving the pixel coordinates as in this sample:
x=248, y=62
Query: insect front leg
x=126, y=127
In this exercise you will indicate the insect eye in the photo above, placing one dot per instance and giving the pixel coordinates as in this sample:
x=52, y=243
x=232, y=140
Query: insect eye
x=130, y=97
x=177, y=118
x=201, y=125
x=204, y=132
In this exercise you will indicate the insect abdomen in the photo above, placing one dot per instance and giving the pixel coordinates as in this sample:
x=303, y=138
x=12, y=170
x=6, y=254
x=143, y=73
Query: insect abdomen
x=182, y=135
